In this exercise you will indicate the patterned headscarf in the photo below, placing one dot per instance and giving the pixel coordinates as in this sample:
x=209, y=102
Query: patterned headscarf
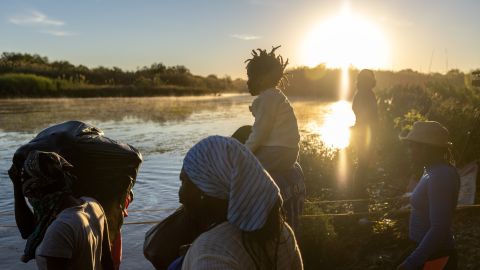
x=224, y=168
x=45, y=181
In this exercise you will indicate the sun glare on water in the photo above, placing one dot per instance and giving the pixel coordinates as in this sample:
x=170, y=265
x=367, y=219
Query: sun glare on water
x=335, y=130
x=344, y=40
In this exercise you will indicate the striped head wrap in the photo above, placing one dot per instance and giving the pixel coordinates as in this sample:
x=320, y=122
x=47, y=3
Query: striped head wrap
x=223, y=168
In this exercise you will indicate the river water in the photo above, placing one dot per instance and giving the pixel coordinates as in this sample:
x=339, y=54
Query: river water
x=163, y=129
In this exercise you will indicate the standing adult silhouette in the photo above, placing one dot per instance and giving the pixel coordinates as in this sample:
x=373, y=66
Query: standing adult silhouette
x=364, y=106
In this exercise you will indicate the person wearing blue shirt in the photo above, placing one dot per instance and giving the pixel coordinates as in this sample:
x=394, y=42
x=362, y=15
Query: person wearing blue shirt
x=433, y=200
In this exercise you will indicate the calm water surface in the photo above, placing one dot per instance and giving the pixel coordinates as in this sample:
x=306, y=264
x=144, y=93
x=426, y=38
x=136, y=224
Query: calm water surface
x=163, y=129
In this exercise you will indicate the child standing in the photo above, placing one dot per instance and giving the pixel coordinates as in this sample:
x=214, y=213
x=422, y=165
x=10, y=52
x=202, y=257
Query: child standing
x=275, y=137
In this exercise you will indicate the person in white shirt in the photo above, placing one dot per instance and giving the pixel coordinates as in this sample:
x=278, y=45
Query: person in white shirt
x=275, y=137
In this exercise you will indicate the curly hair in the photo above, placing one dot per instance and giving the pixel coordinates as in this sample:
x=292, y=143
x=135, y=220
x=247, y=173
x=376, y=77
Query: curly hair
x=269, y=66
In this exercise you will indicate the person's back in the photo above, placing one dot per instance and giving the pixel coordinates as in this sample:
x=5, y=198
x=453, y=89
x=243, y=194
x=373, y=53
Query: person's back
x=274, y=112
x=222, y=248
x=275, y=137
x=76, y=234
x=433, y=201
x=364, y=107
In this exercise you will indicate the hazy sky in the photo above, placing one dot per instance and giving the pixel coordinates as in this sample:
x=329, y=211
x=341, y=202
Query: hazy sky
x=215, y=37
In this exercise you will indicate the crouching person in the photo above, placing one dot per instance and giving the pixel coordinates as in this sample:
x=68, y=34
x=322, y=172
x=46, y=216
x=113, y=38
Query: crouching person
x=239, y=208
x=62, y=232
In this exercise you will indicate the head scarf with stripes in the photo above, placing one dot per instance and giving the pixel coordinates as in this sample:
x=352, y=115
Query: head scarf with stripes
x=223, y=168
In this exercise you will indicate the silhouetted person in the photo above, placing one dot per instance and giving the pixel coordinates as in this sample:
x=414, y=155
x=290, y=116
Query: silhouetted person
x=364, y=106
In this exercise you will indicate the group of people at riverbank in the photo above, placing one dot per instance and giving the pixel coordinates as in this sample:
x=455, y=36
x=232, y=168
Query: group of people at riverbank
x=242, y=194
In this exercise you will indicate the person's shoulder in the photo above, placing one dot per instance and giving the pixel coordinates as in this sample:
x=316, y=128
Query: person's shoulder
x=271, y=93
x=89, y=199
x=289, y=236
x=224, y=240
x=65, y=221
x=443, y=170
x=219, y=237
x=443, y=174
x=217, y=248
x=220, y=233
x=268, y=98
x=64, y=228
x=92, y=203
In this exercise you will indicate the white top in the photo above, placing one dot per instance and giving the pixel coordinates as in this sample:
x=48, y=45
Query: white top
x=275, y=121
x=221, y=248
x=76, y=234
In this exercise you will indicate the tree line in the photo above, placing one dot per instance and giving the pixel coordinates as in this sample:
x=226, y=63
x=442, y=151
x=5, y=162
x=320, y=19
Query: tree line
x=22, y=71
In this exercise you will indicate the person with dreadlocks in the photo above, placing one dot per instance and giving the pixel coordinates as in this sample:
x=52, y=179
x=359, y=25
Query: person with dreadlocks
x=238, y=206
x=63, y=232
x=275, y=137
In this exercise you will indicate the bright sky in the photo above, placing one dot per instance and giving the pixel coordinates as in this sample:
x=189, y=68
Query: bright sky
x=216, y=36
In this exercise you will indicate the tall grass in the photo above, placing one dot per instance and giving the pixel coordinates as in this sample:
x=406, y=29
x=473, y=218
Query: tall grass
x=25, y=84
x=29, y=85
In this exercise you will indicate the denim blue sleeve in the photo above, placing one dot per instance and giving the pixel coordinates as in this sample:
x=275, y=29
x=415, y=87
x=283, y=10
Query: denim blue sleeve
x=442, y=201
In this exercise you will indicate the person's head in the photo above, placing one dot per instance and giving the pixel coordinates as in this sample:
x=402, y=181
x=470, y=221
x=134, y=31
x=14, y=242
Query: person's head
x=220, y=168
x=366, y=80
x=201, y=207
x=44, y=173
x=221, y=176
x=265, y=70
x=427, y=142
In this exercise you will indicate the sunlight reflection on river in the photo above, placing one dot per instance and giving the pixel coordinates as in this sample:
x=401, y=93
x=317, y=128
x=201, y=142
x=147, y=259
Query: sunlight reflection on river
x=163, y=129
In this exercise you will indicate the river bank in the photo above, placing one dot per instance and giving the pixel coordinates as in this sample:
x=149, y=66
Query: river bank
x=326, y=241
x=107, y=91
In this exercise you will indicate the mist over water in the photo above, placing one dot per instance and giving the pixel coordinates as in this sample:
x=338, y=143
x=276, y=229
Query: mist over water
x=162, y=128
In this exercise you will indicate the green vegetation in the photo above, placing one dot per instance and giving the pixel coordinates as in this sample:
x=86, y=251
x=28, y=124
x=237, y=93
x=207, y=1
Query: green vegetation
x=25, y=83
x=403, y=98
x=340, y=241
x=32, y=75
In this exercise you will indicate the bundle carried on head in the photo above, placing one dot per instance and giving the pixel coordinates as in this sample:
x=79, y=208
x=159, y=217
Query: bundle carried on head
x=105, y=169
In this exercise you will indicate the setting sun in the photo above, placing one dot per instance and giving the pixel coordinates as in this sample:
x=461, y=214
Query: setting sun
x=346, y=39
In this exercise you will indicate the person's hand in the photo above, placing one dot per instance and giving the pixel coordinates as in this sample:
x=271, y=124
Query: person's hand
x=14, y=174
x=401, y=267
